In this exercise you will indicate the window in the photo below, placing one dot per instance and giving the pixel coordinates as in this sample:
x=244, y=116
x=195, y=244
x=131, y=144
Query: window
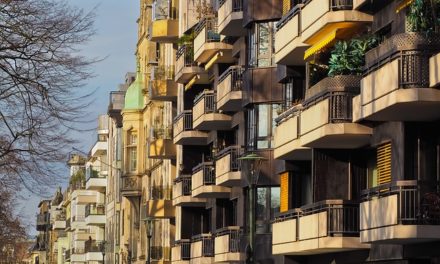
x=262, y=45
x=261, y=126
x=132, y=151
x=268, y=203
x=293, y=92
x=118, y=227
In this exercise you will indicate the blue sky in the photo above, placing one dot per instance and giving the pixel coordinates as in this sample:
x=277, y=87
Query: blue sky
x=116, y=40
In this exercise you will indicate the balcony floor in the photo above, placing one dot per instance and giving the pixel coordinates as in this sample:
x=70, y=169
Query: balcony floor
x=231, y=101
x=230, y=257
x=292, y=151
x=401, y=234
x=189, y=201
x=213, y=121
x=187, y=73
x=232, y=24
x=192, y=137
x=211, y=191
x=229, y=179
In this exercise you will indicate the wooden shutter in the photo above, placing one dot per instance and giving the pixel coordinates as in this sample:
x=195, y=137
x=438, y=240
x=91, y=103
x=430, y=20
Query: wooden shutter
x=384, y=163
x=284, y=189
x=286, y=6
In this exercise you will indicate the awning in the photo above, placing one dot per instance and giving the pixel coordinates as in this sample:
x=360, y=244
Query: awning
x=191, y=82
x=323, y=43
x=403, y=5
x=213, y=60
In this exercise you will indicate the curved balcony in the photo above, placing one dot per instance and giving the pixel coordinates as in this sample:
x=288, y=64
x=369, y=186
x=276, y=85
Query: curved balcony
x=323, y=227
x=203, y=182
x=184, y=134
x=182, y=193
x=397, y=80
x=400, y=212
x=230, y=89
x=205, y=115
x=187, y=69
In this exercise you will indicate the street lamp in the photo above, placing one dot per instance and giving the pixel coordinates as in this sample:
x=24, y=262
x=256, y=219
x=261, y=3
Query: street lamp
x=149, y=236
x=251, y=163
x=102, y=249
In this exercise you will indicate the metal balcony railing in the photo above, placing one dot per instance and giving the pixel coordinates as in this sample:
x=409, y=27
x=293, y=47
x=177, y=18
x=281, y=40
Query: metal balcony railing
x=207, y=244
x=236, y=73
x=187, y=53
x=211, y=29
x=235, y=152
x=186, y=184
x=185, y=248
x=418, y=202
x=92, y=246
x=209, y=98
x=95, y=209
x=187, y=117
x=131, y=183
x=342, y=216
x=78, y=250
x=163, y=9
x=60, y=217
x=208, y=169
x=237, y=5
x=236, y=238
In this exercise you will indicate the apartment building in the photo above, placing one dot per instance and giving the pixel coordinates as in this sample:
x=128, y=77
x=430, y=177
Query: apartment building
x=359, y=141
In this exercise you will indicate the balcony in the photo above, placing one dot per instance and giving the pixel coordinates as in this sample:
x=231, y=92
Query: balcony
x=159, y=204
x=83, y=236
x=205, y=115
x=100, y=148
x=160, y=254
x=203, y=182
x=182, y=193
x=162, y=86
x=187, y=69
x=230, y=89
x=117, y=100
x=230, y=17
x=400, y=212
x=184, y=134
x=42, y=221
x=229, y=246
x=307, y=24
x=60, y=222
x=397, y=80
x=228, y=167
x=161, y=145
x=207, y=44
x=78, y=255
x=78, y=221
x=202, y=249
x=324, y=227
x=434, y=71
x=92, y=250
x=95, y=214
x=181, y=252
x=131, y=186
x=165, y=24
x=96, y=180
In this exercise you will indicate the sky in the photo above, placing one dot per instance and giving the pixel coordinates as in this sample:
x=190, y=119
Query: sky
x=115, y=41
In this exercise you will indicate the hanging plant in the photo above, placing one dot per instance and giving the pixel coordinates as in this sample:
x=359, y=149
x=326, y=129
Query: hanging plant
x=348, y=57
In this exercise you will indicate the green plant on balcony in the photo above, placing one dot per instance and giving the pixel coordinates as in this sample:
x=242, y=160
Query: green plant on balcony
x=78, y=177
x=423, y=16
x=348, y=57
x=186, y=39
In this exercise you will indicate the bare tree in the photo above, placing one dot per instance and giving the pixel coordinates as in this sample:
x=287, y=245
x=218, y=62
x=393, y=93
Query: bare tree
x=11, y=229
x=42, y=76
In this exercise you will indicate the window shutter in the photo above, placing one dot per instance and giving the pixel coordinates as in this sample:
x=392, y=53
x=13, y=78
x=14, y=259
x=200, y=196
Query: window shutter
x=284, y=196
x=384, y=163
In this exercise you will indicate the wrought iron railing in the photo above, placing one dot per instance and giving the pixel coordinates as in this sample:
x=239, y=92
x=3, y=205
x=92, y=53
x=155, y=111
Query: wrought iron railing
x=207, y=244
x=208, y=169
x=162, y=72
x=93, y=172
x=417, y=202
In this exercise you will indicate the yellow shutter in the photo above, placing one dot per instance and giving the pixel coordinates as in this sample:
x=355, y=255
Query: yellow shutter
x=384, y=163
x=284, y=199
x=286, y=6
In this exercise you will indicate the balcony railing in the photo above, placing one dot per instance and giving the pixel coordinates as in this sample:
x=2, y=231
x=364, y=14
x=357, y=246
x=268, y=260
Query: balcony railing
x=93, y=172
x=207, y=244
x=235, y=152
x=342, y=217
x=161, y=192
x=236, y=73
x=208, y=27
x=42, y=219
x=412, y=50
x=92, y=246
x=163, y=9
x=78, y=250
x=95, y=209
x=160, y=253
x=60, y=217
x=186, y=184
x=236, y=238
x=185, y=248
x=117, y=100
x=237, y=5
x=187, y=117
x=208, y=169
x=185, y=57
x=418, y=203
x=208, y=98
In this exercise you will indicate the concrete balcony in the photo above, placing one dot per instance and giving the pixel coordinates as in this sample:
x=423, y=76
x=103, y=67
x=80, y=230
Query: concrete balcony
x=96, y=180
x=78, y=222
x=160, y=204
x=95, y=215
x=324, y=227
x=203, y=182
x=82, y=236
x=43, y=221
x=202, y=249
x=161, y=145
x=230, y=89
x=164, y=31
x=400, y=212
x=186, y=69
x=59, y=223
x=131, y=186
x=184, y=134
x=228, y=167
x=398, y=80
x=309, y=23
x=207, y=44
x=181, y=252
x=93, y=251
x=434, y=71
x=205, y=115
x=78, y=254
x=230, y=18
x=287, y=136
x=229, y=245
x=162, y=86
x=182, y=193
x=99, y=148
